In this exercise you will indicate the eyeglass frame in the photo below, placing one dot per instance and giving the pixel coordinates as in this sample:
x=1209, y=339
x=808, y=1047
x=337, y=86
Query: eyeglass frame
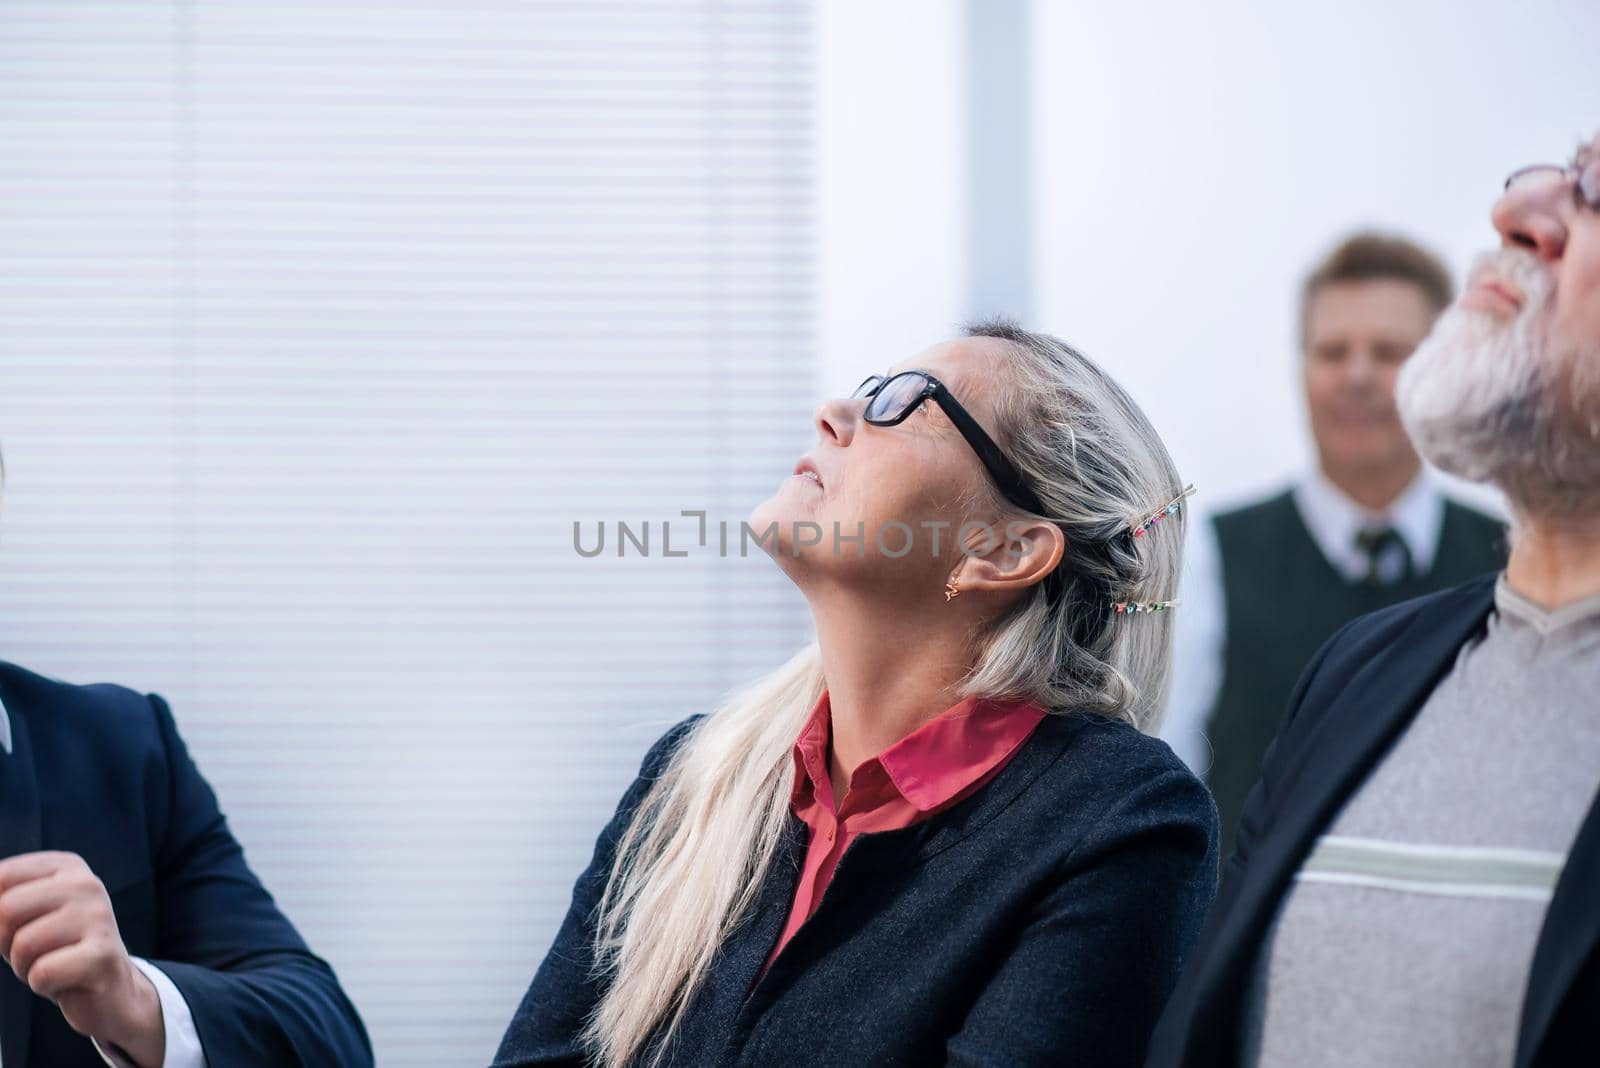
x=1583, y=173
x=1006, y=475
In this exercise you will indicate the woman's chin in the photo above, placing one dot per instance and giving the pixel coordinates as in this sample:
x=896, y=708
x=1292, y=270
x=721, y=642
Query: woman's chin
x=786, y=529
x=790, y=505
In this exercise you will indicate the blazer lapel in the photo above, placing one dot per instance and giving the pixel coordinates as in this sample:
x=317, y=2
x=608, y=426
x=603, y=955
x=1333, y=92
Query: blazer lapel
x=1326, y=767
x=19, y=833
x=747, y=952
x=1569, y=937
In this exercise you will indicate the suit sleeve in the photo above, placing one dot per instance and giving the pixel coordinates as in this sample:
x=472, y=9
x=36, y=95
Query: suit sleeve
x=259, y=997
x=566, y=988
x=183, y=1044
x=1099, y=957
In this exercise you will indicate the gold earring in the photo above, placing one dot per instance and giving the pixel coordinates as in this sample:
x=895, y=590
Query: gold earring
x=951, y=589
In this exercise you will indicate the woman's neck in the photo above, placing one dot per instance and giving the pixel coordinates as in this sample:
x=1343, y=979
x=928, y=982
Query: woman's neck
x=887, y=672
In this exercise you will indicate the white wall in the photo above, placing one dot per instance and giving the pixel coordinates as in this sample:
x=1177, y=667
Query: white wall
x=890, y=182
x=1195, y=159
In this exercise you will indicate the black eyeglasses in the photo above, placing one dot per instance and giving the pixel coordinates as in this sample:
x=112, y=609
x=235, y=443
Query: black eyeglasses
x=1583, y=174
x=894, y=398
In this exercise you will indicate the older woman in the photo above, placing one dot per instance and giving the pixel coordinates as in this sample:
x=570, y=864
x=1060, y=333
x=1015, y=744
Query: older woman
x=938, y=834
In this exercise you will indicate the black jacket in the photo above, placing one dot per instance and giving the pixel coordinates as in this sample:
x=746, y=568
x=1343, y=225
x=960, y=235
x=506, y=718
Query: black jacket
x=101, y=772
x=1039, y=921
x=1354, y=700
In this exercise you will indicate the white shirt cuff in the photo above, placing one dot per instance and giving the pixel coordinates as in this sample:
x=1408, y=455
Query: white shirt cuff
x=183, y=1042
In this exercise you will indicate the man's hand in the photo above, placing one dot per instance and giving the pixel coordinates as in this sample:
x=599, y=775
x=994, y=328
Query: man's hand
x=58, y=933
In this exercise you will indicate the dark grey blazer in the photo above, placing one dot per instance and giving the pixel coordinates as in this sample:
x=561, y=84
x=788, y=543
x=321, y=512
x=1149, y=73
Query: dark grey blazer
x=1039, y=921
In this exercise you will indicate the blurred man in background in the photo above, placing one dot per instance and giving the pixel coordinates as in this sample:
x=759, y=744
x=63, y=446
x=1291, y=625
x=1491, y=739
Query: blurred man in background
x=1268, y=583
x=1418, y=869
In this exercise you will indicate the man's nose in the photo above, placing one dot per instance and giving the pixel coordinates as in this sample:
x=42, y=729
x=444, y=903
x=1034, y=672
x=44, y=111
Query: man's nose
x=1532, y=216
x=1361, y=369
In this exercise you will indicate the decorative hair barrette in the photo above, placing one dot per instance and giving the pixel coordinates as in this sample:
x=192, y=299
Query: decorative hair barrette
x=1170, y=509
x=1131, y=607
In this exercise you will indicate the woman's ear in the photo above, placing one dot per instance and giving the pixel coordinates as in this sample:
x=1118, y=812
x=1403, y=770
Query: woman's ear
x=1009, y=559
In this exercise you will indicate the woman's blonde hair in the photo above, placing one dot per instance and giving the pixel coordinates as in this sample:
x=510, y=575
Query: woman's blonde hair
x=689, y=864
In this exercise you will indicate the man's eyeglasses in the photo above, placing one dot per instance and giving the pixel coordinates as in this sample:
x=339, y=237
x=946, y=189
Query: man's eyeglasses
x=894, y=398
x=1584, y=176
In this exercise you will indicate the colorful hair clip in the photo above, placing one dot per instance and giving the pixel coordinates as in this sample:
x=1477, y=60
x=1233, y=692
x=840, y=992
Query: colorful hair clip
x=1132, y=607
x=1171, y=508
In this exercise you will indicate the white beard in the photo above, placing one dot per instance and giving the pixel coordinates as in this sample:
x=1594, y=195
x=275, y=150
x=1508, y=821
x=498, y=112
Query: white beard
x=1488, y=400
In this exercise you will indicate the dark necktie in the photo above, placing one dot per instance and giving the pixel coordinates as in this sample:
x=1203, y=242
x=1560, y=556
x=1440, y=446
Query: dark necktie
x=1378, y=544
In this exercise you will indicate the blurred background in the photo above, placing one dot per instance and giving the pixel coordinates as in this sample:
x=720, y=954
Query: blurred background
x=321, y=325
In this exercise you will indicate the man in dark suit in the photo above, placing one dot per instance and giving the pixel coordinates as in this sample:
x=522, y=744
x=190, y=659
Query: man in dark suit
x=1417, y=872
x=134, y=931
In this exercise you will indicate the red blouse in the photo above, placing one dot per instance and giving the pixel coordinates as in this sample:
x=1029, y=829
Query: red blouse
x=930, y=769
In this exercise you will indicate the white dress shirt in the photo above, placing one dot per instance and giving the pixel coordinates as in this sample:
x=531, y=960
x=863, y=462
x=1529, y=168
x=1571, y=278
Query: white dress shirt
x=1333, y=521
x=183, y=1042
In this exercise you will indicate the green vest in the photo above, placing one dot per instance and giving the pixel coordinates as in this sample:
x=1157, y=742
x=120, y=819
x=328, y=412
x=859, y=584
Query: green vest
x=1283, y=599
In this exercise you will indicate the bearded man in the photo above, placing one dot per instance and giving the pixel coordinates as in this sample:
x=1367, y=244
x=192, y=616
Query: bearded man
x=1416, y=875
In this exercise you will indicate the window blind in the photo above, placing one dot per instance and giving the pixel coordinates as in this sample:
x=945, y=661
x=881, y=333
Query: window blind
x=320, y=326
